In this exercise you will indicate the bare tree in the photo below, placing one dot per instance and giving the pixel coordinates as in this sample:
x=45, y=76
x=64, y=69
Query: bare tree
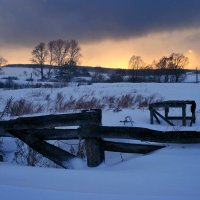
x=172, y=66
x=135, y=63
x=60, y=51
x=74, y=53
x=64, y=54
x=60, y=54
x=51, y=47
x=177, y=62
x=3, y=61
x=163, y=69
x=39, y=56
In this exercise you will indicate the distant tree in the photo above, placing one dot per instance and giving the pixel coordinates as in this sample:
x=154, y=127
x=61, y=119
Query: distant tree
x=51, y=46
x=177, y=62
x=74, y=53
x=163, y=69
x=51, y=57
x=3, y=61
x=172, y=66
x=135, y=63
x=64, y=54
x=39, y=56
x=60, y=51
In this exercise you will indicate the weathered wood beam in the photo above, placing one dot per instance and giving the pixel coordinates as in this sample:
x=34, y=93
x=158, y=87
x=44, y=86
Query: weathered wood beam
x=48, y=133
x=172, y=103
x=155, y=116
x=138, y=133
x=162, y=117
x=56, y=134
x=57, y=155
x=178, y=118
x=130, y=148
x=50, y=121
x=143, y=134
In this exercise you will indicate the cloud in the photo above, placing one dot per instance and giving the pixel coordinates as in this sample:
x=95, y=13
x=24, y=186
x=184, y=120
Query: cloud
x=26, y=22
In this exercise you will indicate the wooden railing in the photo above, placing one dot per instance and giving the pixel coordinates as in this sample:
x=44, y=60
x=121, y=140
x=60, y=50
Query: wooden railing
x=35, y=131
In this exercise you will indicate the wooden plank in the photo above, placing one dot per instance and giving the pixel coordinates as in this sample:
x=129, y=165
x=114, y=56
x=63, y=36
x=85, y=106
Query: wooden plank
x=56, y=134
x=172, y=103
x=57, y=155
x=48, y=134
x=130, y=148
x=155, y=116
x=143, y=134
x=178, y=118
x=50, y=121
x=162, y=117
x=138, y=133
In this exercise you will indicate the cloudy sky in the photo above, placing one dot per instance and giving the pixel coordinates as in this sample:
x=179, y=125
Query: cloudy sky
x=109, y=31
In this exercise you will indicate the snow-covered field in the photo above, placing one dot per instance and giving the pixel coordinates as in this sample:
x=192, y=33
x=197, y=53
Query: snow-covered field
x=170, y=173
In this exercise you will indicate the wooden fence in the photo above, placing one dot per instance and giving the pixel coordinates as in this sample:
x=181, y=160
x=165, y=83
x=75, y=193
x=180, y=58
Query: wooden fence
x=35, y=131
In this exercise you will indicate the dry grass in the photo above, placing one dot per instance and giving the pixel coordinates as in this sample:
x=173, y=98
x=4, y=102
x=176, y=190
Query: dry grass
x=62, y=103
x=21, y=107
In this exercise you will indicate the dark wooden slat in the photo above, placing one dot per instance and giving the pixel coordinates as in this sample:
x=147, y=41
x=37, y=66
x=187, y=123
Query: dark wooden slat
x=156, y=117
x=138, y=133
x=172, y=103
x=157, y=113
x=57, y=155
x=179, y=118
x=143, y=134
x=130, y=148
x=56, y=134
x=50, y=121
x=49, y=134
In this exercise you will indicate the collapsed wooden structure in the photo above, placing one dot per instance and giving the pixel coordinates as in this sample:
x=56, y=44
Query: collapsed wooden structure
x=166, y=105
x=36, y=131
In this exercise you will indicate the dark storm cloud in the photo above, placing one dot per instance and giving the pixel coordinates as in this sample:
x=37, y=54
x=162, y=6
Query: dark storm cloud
x=28, y=21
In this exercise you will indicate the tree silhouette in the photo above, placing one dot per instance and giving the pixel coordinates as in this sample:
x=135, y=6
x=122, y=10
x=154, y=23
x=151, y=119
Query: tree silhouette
x=39, y=56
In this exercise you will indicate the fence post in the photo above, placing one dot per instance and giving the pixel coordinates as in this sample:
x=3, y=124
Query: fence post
x=94, y=145
x=94, y=151
x=184, y=114
x=151, y=114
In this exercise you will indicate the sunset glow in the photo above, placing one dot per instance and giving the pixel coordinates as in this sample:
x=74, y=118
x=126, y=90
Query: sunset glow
x=107, y=40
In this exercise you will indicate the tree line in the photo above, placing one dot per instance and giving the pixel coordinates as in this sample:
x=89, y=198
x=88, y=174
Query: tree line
x=169, y=68
x=66, y=54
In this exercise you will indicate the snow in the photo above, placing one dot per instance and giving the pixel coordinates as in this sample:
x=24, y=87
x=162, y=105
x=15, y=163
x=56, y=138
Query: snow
x=169, y=173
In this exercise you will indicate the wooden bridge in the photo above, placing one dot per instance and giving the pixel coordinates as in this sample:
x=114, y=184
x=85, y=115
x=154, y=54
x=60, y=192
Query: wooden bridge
x=35, y=131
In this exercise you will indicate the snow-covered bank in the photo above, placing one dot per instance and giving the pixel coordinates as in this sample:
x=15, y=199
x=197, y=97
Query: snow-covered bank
x=170, y=173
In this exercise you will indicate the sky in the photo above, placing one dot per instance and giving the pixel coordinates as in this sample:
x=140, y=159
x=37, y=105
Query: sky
x=108, y=31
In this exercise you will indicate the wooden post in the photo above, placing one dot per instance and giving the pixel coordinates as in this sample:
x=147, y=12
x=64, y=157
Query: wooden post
x=1, y=158
x=184, y=114
x=193, y=109
x=151, y=115
x=166, y=112
x=94, y=151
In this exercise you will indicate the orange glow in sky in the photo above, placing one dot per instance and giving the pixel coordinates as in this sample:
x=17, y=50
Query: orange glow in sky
x=116, y=53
